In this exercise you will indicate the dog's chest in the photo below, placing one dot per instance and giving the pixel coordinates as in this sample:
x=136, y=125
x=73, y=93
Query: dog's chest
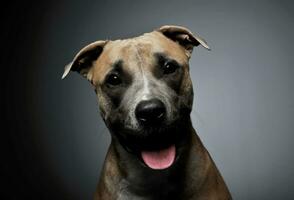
x=127, y=196
x=125, y=193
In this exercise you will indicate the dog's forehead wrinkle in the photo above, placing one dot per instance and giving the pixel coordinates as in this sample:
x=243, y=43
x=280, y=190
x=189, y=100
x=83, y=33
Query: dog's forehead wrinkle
x=117, y=64
x=138, y=53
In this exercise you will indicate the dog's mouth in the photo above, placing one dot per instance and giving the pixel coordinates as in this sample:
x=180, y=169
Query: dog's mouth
x=157, y=151
x=159, y=159
x=156, y=148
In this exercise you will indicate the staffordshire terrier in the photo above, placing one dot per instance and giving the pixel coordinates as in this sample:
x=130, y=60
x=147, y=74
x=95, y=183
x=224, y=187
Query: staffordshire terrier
x=145, y=97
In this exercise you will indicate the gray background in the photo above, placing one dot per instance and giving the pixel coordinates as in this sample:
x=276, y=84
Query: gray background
x=243, y=106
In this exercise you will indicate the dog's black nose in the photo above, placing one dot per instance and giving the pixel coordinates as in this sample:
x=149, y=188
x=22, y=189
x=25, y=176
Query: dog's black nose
x=150, y=112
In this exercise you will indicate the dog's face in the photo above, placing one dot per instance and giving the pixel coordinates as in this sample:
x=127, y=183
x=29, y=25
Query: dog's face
x=143, y=85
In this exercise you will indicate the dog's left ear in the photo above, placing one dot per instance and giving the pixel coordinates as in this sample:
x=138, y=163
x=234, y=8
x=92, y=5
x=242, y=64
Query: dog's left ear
x=183, y=36
x=82, y=62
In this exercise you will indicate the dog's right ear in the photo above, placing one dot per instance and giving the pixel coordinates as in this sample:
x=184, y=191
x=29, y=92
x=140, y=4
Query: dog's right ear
x=82, y=62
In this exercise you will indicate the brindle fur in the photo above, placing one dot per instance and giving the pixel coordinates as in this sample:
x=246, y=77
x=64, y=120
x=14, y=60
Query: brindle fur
x=138, y=62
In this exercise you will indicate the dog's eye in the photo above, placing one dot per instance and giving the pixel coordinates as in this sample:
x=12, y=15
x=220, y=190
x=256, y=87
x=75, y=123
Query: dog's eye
x=170, y=67
x=113, y=79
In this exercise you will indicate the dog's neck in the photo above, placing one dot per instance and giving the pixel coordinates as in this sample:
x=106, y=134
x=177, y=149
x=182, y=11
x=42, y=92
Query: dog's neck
x=124, y=172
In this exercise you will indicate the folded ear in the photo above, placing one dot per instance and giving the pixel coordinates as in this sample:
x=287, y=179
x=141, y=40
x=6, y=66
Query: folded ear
x=82, y=62
x=183, y=36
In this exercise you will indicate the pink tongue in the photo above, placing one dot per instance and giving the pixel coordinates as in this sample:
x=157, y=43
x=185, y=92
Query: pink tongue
x=161, y=159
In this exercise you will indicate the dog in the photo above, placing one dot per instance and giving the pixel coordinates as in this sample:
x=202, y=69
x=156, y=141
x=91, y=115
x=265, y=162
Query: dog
x=145, y=98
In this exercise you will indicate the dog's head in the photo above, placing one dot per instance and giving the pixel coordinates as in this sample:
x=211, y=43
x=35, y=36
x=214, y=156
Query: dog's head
x=143, y=85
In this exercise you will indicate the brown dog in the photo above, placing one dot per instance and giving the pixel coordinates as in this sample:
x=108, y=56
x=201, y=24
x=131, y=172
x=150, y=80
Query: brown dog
x=145, y=97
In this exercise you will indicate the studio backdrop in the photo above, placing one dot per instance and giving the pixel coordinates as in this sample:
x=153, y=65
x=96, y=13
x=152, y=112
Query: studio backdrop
x=53, y=139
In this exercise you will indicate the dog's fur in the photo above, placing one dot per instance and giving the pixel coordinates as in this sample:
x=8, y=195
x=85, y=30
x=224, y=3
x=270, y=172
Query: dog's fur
x=138, y=64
